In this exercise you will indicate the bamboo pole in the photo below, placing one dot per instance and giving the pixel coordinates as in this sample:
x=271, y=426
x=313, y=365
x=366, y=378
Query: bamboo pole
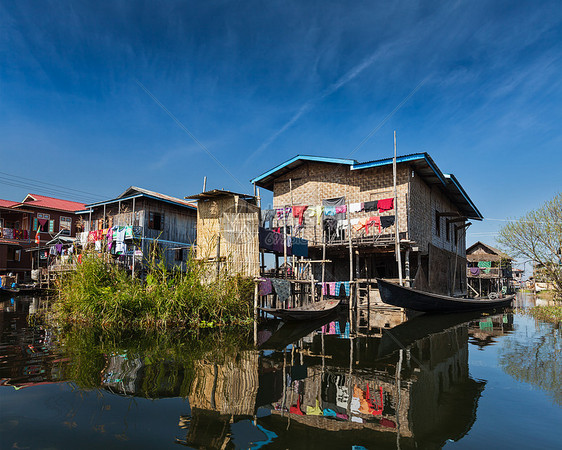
x=397, y=232
x=256, y=292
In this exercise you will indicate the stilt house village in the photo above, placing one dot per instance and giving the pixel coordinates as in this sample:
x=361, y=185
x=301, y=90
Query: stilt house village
x=335, y=226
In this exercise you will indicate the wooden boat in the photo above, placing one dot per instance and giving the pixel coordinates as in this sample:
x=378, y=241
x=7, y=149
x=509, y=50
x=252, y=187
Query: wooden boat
x=406, y=297
x=290, y=332
x=312, y=311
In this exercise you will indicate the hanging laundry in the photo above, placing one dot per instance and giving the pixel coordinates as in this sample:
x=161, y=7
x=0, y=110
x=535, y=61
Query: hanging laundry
x=386, y=204
x=296, y=409
x=371, y=206
x=97, y=246
x=267, y=216
x=360, y=224
x=265, y=286
x=128, y=232
x=300, y=247
x=298, y=211
x=332, y=285
x=485, y=264
x=316, y=211
x=356, y=207
x=314, y=410
x=374, y=220
x=346, y=287
x=329, y=412
x=282, y=288
x=475, y=271
x=330, y=224
x=53, y=251
x=282, y=213
x=337, y=288
x=329, y=210
x=59, y=248
x=341, y=209
x=338, y=201
x=387, y=221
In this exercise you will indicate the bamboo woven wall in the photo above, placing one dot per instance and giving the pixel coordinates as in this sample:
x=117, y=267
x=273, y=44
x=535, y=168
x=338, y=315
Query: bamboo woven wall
x=228, y=388
x=234, y=222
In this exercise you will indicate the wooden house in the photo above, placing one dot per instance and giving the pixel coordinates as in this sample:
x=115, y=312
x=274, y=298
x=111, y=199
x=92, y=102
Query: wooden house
x=227, y=231
x=430, y=214
x=488, y=269
x=157, y=222
x=27, y=226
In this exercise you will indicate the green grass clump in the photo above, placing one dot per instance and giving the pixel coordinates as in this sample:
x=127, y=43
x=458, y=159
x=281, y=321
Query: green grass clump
x=547, y=313
x=101, y=293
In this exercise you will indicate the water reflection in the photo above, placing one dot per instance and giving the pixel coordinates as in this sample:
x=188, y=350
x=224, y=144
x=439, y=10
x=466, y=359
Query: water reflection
x=377, y=376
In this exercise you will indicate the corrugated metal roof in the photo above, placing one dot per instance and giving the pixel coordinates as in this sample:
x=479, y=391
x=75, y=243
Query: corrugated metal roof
x=215, y=193
x=42, y=201
x=265, y=180
x=136, y=192
x=7, y=203
x=421, y=162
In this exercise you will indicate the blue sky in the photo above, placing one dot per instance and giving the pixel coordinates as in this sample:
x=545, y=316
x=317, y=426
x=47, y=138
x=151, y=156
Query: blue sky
x=259, y=82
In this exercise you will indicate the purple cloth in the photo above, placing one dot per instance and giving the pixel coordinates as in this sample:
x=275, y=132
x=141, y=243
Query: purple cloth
x=475, y=271
x=332, y=288
x=265, y=287
x=59, y=248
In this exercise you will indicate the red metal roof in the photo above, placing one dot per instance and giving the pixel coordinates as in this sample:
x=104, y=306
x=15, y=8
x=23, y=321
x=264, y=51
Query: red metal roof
x=7, y=203
x=42, y=201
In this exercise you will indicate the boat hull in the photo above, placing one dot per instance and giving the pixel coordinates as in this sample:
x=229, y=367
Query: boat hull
x=311, y=312
x=409, y=298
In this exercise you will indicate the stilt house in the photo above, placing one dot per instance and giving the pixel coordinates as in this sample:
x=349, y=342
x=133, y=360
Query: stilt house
x=488, y=269
x=227, y=231
x=156, y=222
x=350, y=205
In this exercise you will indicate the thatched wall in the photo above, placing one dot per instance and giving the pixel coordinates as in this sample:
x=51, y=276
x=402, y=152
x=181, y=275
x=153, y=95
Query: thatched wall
x=233, y=223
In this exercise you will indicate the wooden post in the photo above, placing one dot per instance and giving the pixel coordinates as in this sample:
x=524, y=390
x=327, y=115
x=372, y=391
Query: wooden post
x=256, y=293
x=323, y=263
x=397, y=229
x=285, y=239
x=407, y=266
x=205, y=183
x=350, y=245
x=218, y=256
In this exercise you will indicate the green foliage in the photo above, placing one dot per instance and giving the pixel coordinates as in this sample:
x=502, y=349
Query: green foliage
x=547, y=313
x=102, y=293
x=167, y=357
x=538, y=236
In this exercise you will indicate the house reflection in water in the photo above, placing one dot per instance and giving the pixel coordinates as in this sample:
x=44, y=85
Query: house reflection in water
x=377, y=378
x=408, y=384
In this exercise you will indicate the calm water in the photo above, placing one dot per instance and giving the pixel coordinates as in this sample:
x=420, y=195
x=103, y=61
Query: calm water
x=375, y=381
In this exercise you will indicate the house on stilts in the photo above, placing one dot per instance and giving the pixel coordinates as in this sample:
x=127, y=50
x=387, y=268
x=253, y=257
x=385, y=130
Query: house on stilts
x=348, y=213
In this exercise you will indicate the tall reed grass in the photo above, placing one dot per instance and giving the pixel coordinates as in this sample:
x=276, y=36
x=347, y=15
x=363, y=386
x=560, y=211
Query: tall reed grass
x=101, y=293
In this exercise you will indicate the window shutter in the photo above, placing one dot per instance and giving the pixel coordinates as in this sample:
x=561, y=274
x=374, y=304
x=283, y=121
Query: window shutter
x=35, y=224
x=51, y=226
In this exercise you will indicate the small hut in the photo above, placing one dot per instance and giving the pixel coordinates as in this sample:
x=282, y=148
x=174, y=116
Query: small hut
x=489, y=269
x=227, y=231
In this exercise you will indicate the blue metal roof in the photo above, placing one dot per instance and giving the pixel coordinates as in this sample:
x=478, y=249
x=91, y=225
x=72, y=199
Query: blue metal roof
x=284, y=166
x=421, y=162
x=401, y=159
x=458, y=186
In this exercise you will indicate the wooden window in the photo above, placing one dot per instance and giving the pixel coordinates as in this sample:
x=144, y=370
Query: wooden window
x=179, y=254
x=155, y=221
x=65, y=225
x=437, y=223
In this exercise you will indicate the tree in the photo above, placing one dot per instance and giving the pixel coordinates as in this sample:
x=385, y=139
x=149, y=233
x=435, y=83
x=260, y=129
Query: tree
x=538, y=236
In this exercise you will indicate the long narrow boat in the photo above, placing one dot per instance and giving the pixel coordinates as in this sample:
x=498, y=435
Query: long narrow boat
x=312, y=311
x=409, y=298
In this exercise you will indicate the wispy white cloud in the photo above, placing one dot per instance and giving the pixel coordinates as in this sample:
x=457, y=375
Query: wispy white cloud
x=308, y=105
